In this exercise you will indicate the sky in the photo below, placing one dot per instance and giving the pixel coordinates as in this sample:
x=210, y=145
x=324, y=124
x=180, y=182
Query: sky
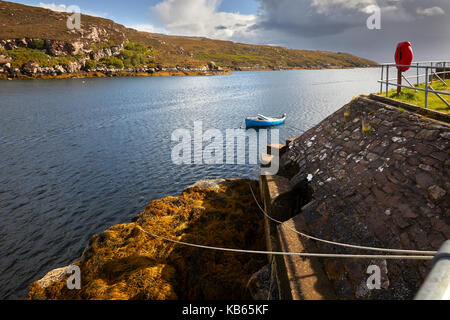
x=333, y=25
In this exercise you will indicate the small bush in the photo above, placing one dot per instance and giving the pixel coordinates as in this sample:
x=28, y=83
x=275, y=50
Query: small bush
x=135, y=46
x=79, y=56
x=112, y=63
x=38, y=44
x=91, y=64
x=136, y=55
x=64, y=61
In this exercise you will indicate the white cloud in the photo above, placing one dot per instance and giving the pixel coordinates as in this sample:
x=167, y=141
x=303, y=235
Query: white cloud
x=53, y=6
x=202, y=18
x=148, y=28
x=330, y=6
x=70, y=8
x=434, y=11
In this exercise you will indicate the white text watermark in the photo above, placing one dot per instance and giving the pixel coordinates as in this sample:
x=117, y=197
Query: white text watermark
x=229, y=149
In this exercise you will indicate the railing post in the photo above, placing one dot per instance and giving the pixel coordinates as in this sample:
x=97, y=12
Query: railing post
x=426, y=88
x=417, y=69
x=382, y=74
x=431, y=80
x=399, y=81
x=387, y=81
x=445, y=70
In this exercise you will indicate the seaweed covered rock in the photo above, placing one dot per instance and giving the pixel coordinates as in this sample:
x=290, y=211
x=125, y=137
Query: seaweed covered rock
x=125, y=262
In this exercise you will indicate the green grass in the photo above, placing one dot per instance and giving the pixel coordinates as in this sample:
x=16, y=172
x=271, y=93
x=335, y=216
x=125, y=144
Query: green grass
x=22, y=56
x=418, y=98
x=224, y=59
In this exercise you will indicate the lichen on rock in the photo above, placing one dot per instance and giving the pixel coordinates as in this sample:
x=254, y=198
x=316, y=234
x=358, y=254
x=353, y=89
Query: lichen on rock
x=126, y=263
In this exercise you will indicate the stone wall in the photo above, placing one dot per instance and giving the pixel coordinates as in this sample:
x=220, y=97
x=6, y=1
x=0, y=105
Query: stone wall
x=379, y=176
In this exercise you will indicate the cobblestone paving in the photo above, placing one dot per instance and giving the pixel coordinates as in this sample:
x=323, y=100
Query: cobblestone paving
x=380, y=177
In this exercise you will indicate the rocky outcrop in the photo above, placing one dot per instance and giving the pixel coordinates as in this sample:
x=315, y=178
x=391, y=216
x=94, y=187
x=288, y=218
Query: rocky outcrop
x=126, y=263
x=54, y=48
x=30, y=68
x=213, y=67
x=76, y=55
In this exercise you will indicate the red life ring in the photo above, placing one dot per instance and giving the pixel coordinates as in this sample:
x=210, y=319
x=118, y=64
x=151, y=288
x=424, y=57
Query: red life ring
x=404, y=55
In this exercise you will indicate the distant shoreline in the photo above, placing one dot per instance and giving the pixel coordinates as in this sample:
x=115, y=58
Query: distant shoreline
x=119, y=74
x=179, y=73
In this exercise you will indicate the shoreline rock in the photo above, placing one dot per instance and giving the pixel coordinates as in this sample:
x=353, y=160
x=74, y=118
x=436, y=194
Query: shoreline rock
x=125, y=263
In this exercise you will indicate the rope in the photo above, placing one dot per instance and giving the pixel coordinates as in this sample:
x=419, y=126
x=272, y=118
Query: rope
x=430, y=253
x=299, y=254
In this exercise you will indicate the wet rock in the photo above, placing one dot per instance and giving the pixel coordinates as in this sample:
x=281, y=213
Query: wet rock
x=30, y=68
x=436, y=192
x=259, y=284
x=59, y=69
x=212, y=66
x=372, y=157
x=209, y=183
x=423, y=179
x=73, y=67
x=427, y=134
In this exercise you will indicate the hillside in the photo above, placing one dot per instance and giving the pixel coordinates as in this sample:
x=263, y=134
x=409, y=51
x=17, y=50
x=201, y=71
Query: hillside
x=24, y=28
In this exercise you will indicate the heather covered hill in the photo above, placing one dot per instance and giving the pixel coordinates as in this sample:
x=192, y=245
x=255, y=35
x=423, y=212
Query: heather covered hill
x=99, y=38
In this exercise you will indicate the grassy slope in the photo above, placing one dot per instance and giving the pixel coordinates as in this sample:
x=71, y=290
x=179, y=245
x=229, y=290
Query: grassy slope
x=418, y=98
x=20, y=21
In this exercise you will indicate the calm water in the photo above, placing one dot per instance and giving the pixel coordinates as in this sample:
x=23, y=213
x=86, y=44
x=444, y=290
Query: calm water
x=78, y=156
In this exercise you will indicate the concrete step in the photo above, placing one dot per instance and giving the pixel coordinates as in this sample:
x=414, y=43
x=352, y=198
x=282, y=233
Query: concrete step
x=299, y=278
x=281, y=148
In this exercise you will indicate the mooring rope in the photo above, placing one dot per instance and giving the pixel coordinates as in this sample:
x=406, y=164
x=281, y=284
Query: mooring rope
x=299, y=254
x=417, y=252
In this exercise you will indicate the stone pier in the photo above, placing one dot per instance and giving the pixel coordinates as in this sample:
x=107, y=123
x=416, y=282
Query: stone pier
x=371, y=174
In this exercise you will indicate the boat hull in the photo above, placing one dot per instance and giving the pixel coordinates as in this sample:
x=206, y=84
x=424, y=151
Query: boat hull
x=249, y=123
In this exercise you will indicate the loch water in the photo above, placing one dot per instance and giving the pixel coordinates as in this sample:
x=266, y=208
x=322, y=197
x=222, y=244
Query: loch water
x=80, y=155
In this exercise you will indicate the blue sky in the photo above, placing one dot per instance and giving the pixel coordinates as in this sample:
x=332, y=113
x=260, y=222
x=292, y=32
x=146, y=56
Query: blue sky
x=333, y=25
x=132, y=12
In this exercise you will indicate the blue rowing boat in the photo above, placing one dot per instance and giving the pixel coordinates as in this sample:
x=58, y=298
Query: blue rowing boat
x=263, y=121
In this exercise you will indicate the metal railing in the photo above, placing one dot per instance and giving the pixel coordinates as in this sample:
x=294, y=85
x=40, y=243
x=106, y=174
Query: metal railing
x=437, y=284
x=434, y=70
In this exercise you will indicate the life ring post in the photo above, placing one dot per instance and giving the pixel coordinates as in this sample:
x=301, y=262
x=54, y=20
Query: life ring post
x=403, y=58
